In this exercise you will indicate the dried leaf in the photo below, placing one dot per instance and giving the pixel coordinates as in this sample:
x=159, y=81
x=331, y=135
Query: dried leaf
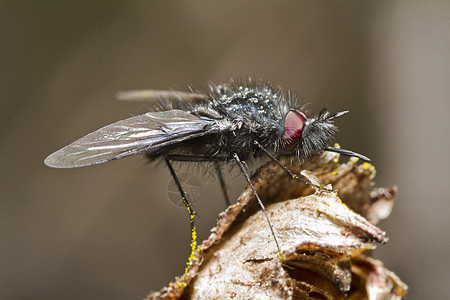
x=321, y=240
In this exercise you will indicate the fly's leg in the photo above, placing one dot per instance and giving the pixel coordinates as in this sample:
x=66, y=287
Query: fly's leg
x=247, y=177
x=203, y=158
x=191, y=212
x=294, y=176
x=222, y=183
x=195, y=158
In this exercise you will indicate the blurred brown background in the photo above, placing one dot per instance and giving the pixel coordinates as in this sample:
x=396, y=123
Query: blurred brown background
x=110, y=231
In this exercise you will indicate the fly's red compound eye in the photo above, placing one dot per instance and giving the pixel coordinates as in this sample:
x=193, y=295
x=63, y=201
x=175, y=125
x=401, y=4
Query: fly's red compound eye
x=294, y=122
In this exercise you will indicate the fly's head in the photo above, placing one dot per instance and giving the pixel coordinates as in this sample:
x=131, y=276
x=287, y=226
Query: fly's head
x=305, y=136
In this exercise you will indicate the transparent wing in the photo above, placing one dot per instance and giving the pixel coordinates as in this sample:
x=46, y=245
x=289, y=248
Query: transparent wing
x=174, y=99
x=150, y=131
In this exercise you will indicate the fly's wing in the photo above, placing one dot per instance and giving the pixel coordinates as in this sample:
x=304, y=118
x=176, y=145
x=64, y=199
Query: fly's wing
x=167, y=99
x=150, y=131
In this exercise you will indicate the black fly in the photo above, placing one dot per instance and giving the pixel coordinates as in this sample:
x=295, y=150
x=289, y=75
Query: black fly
x=229, y=123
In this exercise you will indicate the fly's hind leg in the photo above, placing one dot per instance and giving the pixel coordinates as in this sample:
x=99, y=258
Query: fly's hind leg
x=203, y=158
x=191, y=212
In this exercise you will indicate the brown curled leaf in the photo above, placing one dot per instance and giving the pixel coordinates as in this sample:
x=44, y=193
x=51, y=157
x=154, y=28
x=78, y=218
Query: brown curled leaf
x=321, y=240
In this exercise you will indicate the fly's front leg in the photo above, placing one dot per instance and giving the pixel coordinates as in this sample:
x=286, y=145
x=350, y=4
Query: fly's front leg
x=293, y=175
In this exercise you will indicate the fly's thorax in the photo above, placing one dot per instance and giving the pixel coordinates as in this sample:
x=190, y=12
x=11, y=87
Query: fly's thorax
x=249, y=100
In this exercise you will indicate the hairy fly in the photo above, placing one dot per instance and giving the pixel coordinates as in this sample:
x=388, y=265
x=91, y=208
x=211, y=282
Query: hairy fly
x=230, y=122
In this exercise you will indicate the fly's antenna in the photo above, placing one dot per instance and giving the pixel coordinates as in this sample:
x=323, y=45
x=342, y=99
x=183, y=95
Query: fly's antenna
x=337, y=115
x=339, y=150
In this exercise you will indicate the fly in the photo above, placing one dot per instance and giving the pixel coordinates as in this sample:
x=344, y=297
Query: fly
x=229, y=123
